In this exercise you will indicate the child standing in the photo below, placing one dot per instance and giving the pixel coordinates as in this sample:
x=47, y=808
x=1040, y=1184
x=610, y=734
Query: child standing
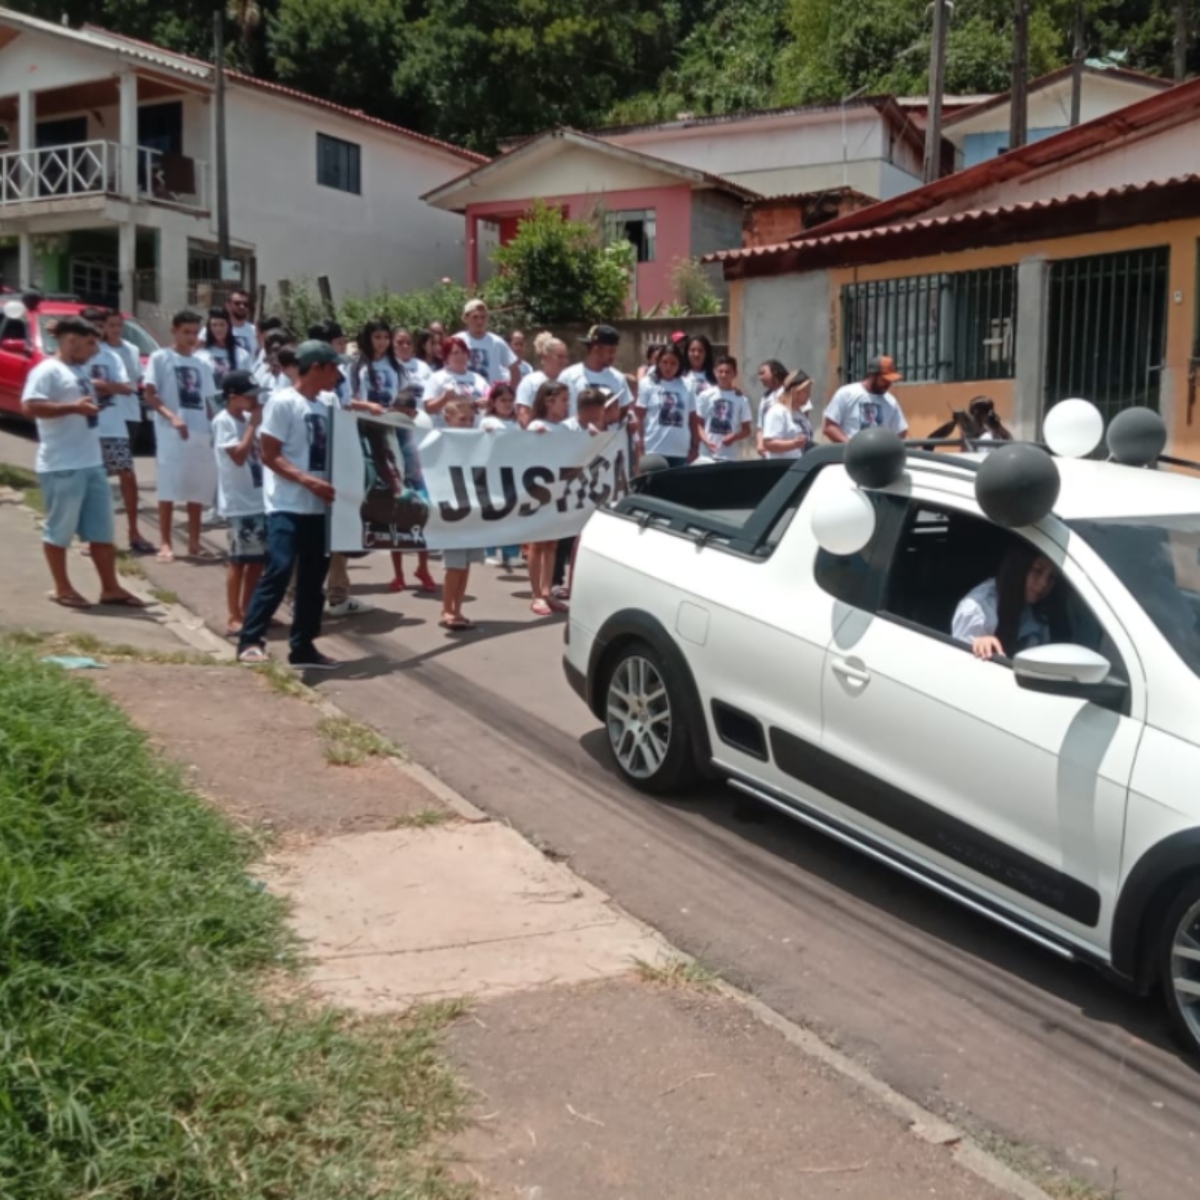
x=500, y=413
x=178, y=389
x=723, y=415
x=551, y=407
x=376, y=375
x=239, y=492
x=458, y=413
x=406, y=403
x=665, y=407
x=592, y=416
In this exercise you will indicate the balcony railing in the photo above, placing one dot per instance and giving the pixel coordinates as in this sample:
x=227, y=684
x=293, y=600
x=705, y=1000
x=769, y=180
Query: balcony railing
x=95, y=169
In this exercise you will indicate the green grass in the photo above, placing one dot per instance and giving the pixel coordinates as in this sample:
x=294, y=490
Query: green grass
x=113, y=652
x=284, y=680
x=23, y=480
x=139, y=1057
x=677, y=973
x=165, y=595
x=423, y=818
x=349, y=743
x=129, y=565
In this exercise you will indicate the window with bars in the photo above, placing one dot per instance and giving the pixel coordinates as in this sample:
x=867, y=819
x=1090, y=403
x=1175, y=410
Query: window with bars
x=939, y=328
x=339, y=164
x=1107, y=328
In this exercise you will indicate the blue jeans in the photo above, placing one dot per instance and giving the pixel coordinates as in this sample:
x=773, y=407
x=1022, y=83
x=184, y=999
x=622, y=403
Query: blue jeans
x=294, y=540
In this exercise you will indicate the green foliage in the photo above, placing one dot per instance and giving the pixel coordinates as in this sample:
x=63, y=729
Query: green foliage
x=412, y=310
x=692, y=289
x=139, y=1058
x=557, y=270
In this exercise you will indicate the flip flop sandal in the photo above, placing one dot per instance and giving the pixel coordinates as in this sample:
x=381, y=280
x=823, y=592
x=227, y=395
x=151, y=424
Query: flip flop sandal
x=141, y=546
x=542, y=608
x=125, y=601
x=205, y=555
x=460, y=625
x=165, y=556
x=427, y=582
x=74, y=601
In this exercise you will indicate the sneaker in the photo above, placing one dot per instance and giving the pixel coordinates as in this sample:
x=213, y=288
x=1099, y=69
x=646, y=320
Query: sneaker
x=314, y=660
x=348, y=608
x=253, y=656
x=493, y=560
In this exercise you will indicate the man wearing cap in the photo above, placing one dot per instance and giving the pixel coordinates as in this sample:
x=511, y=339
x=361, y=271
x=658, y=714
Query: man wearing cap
x=491, y=356
x=597, y=369
x=294, y=443
x=867, y=404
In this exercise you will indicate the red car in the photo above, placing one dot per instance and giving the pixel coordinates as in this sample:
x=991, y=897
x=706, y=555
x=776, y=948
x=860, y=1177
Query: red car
x=26, y=340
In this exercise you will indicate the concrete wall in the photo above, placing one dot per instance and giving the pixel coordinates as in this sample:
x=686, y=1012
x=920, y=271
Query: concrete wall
x=716, y=225
x=978, y=147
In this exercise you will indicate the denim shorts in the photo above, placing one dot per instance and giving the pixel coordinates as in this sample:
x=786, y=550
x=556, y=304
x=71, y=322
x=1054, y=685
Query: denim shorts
x=77, y=502
x=461, y=560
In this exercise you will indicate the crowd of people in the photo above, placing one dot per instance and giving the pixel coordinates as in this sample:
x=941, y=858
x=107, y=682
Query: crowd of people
x=242, y=410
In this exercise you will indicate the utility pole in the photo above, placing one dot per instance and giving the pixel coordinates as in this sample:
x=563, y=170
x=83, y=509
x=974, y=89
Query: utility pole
x=222, y=162
x=1077, y=56
x=1181, y=38
x=1018, y=124
x=937, y=87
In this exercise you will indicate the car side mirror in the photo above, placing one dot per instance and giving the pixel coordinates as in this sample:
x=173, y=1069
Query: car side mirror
x=1064, y=669
x=15, y=346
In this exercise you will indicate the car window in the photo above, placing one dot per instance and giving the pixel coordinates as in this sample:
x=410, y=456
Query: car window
x=49, y=341
x=140, y=336
x=942, y=555
x=13, y=328
x=859, y=579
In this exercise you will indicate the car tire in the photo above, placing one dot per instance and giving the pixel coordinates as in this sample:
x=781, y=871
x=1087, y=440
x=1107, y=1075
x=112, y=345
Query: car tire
x=645, y=716
x=1179, y=972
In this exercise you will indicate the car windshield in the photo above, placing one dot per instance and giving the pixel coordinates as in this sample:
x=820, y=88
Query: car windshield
x=1158, y=560
x=134, y=332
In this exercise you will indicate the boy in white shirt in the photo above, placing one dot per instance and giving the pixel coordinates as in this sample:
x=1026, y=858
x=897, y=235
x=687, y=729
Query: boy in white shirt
x=867, y=404
x=490, y=355
x=179, y=388
x=723, y=414
x=239, y=491
x=70, y=466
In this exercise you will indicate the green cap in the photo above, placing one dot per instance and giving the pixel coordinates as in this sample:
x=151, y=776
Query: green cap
x=313, y=354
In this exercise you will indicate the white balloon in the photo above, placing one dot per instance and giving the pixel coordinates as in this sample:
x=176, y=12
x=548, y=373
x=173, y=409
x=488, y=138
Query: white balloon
x=14, y=310
x=1073, y=428
x=843, y=521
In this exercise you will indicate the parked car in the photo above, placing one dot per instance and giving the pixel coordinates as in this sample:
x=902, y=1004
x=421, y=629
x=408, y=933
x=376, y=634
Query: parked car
x=1054, y=793
x=25, y=341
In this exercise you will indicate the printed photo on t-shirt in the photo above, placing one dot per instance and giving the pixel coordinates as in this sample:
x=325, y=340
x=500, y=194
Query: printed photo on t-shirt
x=187, y=380
x=100, y=371
x=480, y=362
x=671, y=411
x=871, y=413
x=86, y=389
x=377, y=387
x=254, y=462
x=720, y=420
x=220, y=365
x=318, y=441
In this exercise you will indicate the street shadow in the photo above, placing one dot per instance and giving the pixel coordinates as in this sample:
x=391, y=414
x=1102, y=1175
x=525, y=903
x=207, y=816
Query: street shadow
x=377, y=622
x=382, y=661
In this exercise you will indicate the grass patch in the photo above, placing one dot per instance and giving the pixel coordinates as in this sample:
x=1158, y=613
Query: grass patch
x=165, y=595
x=128, y=565
x=1035, y=1165
x=140, y=1056
x=114, y=652
x=349, y=743
x=425, y=818
x=678, y=973
x=23, y=480
x=283, y=680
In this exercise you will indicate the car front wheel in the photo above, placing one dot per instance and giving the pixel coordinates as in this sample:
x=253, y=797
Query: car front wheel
x=647, y=728
x=1179, y=964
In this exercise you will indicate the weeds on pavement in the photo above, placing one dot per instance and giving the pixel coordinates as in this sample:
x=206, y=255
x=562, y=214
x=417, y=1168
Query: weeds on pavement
x=86, y=643
x=23, y=480
x=349, y=743
x=424, y=818
x=140, y=1058
x=678, y=973
x=283, y=680
x=165, y=595
x=128, y=565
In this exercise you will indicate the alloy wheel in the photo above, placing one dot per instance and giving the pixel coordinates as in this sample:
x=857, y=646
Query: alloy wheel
x=1185, y=969
x=639, y=717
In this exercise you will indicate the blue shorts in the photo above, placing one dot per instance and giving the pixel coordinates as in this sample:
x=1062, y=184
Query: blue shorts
x=77, y=502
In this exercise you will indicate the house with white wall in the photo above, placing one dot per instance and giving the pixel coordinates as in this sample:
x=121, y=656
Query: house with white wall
x=108, y=184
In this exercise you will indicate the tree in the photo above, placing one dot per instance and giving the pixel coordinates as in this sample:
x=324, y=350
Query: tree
x=557, y=270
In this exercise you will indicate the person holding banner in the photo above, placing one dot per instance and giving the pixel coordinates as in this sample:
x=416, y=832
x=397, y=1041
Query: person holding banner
x=500, y=415
x=666, y=408
x=459, y=414
x=554, y=358
x=376, y=375
x=490, y=355
x=597, y=369
x=551, y=408
x=454, y=380
x=294, y=442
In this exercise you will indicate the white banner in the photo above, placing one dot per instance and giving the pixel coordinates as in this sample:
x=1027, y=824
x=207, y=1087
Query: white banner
x=400, y=487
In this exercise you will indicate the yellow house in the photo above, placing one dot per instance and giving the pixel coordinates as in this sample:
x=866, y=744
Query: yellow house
x=1065, y=268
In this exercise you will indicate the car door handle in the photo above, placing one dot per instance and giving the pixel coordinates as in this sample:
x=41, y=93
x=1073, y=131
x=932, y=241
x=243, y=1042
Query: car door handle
x=850, y=672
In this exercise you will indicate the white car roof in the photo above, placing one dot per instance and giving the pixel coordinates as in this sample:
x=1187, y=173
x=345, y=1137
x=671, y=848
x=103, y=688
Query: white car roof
x=1092, y=489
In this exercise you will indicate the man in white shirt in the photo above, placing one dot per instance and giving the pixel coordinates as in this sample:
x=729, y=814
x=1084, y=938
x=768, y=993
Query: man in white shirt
x=241, y=326
x=294, y=442
x=597, y=370
x=491, y=355
x=70, y=467
x=867, y=404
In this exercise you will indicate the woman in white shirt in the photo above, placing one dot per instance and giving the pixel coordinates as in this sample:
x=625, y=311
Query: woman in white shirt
x=405, y=347
x=220, y=348
x=1006, y=615
x=454, y=379
x=665, y=407
x=771, y=375
x=787, y=432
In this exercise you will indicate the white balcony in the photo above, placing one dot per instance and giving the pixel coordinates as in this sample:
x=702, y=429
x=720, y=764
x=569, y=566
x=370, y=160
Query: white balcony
x=46, y=176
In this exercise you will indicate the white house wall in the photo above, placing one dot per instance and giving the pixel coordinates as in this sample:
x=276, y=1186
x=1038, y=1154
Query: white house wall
x=386, y=237
x=39, y=62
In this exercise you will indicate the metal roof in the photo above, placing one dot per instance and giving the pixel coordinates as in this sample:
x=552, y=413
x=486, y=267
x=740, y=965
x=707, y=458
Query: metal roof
x=1156, y=201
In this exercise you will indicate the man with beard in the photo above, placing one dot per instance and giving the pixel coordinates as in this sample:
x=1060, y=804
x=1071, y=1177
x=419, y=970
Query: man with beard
x=867, y=404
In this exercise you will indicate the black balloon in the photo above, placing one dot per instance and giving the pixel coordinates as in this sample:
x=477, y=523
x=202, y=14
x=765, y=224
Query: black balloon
x=1136, y=437
x=1017, y=485
x=874, y=457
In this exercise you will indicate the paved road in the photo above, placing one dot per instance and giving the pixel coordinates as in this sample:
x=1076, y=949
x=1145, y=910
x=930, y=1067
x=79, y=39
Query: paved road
x=961, y=1016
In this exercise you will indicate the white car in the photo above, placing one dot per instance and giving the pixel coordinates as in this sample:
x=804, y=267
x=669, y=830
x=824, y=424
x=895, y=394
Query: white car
x=1056, y=792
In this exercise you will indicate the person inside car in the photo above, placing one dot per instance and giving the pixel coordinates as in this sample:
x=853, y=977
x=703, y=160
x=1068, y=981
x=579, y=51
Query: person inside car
x=1007, y=614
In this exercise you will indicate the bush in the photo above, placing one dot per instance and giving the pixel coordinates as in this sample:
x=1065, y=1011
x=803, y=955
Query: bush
x=558, y=270
x=693, y=290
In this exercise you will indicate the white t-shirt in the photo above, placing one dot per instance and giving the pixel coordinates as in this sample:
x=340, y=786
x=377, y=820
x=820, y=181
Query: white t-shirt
x=667, y=425
x=302, y=428
x=185, y=385
x=107, y=365
x=978, y=615
x=498, y=424
x=131, y=359
x=524, y=368
x=765, y=405
x=244, y=334
x=577, y=377
x=64, y=443
x=239, y=489
x=698, y=381
x=416, y=372
x=527, y=389
x=376, y=381
x=549, y=427
x=221, y=361
x=853, y=408
x=468, y=384
x=722, y=413
x=784, y=424
x=491, y=356
x=573, y=424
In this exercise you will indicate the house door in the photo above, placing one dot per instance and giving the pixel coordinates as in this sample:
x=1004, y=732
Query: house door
x=1107, y=329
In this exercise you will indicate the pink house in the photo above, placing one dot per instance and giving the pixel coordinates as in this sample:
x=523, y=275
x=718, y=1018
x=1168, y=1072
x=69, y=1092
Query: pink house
x=667, y=211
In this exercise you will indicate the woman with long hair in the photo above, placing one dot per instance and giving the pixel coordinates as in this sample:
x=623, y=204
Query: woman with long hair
x=415, y=369
x=700, y=364
x=771, y=375
x=665, y=408
x=787, y=432
x=1009, y=613
x=376, y=375
x=220, y=349
x=430, y=348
